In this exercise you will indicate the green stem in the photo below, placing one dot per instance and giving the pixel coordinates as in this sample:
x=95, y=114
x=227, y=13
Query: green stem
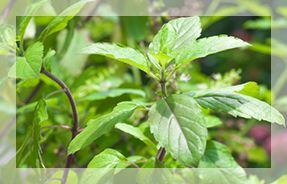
x=137, y=75
x=161, y=152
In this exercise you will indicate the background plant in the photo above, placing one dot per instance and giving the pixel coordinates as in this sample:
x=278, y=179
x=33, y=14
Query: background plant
x=53, y=68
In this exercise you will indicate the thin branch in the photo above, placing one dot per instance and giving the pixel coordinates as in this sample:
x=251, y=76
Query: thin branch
x=70, y=97
x=74, y=128
x=33, y=93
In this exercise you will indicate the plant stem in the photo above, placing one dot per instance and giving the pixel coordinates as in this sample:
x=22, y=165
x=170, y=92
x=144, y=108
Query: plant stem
x=33, y=93
x=74, y=128
x=161, y=152
x=163, y=88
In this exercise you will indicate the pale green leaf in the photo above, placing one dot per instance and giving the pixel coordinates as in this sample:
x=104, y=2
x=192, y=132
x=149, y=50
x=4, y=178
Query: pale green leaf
x=112, y=93
x=227, y=170
x=238, y=104
x=248, y=88
x=109, y=158
x=212, y=121
x=101, y=125
x=179, y=126
x=210, y=45
x=175, y=36
x=60, y=22
x=7, y=40
x=123, y=54
x=21, y=27
x=136, y=132
x=29, y=66
x=48, y=58
x=74, y=9
x=23, y=21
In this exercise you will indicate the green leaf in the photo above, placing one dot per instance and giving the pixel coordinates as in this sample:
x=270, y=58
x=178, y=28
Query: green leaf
x=248, y=88
x=227, y=170
x=57, y=24
x=136, y=132
x=109, y=158
x=238, y=105
x=28, y=67
x=48, y=58
x=7, y=40
x=123, y=54
x=206, y=46
x=30, y=151
x=74, y=9
x=212, y=121
x=101, y=125
x=61, y=21
x=22, y=23
x=179, y=126
x=175, y=36
x=112, y=93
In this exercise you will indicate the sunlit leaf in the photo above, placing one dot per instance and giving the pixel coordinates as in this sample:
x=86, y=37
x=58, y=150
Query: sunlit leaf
x=60, y=22
x=123, y=54
x=178, y=124
x=29, y=66
x=109, y=158
x=209, y=45
x=239, y=105
x=99, y=126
